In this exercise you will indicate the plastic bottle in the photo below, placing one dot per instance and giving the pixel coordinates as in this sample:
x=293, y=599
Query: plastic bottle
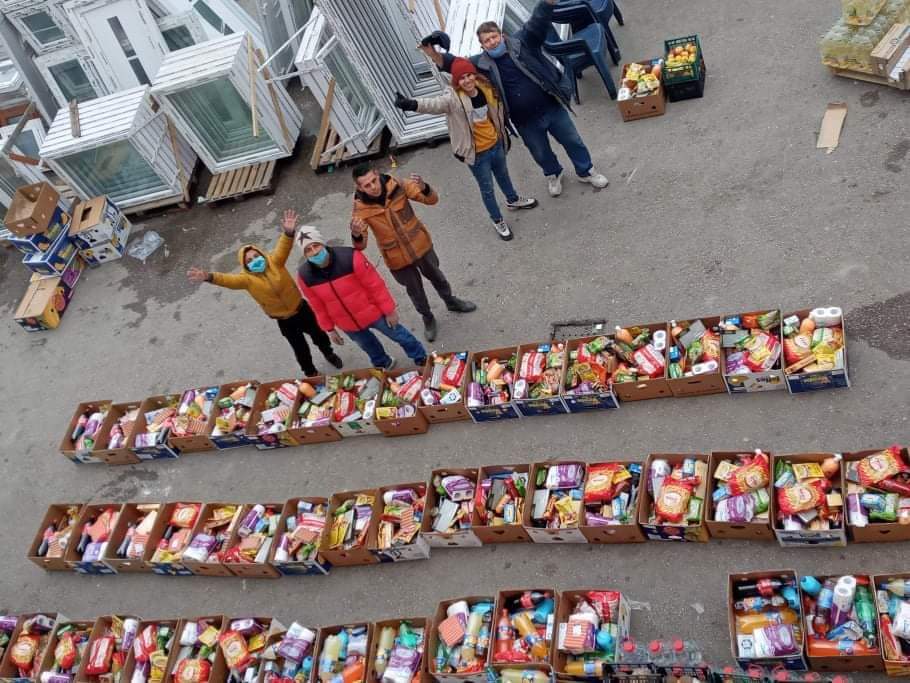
x=633, y=657
x=760, y=588
x=748, y=623
x=483, y=638
x=585, y=667
x=900, y=587
x=525, y=627
x=865, y=613
x=821, y=622
x=469, y=645
x=523, y=676
x=384, y=649
x=504, y=633
x=758, y=604
x=331, y=649
x=526, y=600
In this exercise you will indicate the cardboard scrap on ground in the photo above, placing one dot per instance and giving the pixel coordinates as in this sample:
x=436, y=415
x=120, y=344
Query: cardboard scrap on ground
x=829, y=136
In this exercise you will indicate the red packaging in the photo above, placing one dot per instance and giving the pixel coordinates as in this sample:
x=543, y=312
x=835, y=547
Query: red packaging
x=599, y=486
x=801, y=497
x=235, y=649
x=762, y=352
x=145, y=644
x=533, y=364
x=344, y=405
x=23, y=650
x=184, y=515
x=750, y=477
x=649, y=361
x=193, y=671
x=65, y=652
x=454, y=371
x=605, y=603
x=99, y=656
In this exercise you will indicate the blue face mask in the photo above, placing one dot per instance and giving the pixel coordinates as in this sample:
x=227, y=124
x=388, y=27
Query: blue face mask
x=257, y=265
x=499, y=50
x=320, y=258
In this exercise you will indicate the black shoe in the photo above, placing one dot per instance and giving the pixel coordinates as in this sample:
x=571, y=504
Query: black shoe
x=460, y=305
x=420, y=362
x=429, y=328
x=334, y=359
x=310, y=372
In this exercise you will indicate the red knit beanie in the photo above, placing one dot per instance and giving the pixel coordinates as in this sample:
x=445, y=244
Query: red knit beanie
x=460, y=67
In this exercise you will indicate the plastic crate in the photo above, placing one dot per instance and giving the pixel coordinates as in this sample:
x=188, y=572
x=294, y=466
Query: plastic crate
x=687, y=90
x=683, y=72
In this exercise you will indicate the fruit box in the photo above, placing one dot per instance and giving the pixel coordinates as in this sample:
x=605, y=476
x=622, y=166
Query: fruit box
x=756, y=530
x=237, y=437
x=102, y=626
x=505, y=533
x=366, y=424
x=270, y=440
x=68, y=445
x=162, y=450
x=537, y=502
x=162, y=521
x=687, y=71
x=378, y=626
x=205, y=515
x=808, y=538
x=873, y=532
x=752, y=382
x=76, y=561
x=47, y=665
x=314, y=434
x=502, y=599
x=616, y=533
x=130, y=664
x=130, y=516
x=568, y=599
x=444, y=412
x=324, y=633
x=32, y=209
x=702, y=384
x=47, y=298
x=318, y=564
x=122, y=455
x=360, y=554
x=635, y=108
x=548, y=405
x=418, y=548
x=432, y=643
x=697, y=532
x=196, y=442
x=54, y=514
x=500, y=411
x=639, y=390
x=600, y=399
x=465, y=538
x=218, y=671
x=799, y=382
x=253, y=570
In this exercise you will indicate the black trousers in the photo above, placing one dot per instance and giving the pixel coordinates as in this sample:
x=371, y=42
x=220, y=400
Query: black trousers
x=294, y=328
x=411, y=277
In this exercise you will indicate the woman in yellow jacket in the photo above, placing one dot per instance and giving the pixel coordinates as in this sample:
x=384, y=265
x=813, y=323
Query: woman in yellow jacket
x=269, y=283
x=479, y=136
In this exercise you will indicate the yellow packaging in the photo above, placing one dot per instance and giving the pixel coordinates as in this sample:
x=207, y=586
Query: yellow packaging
x=209, y=636
x=568, y=512
x=724, y=470
x=256, y=642
x=808, y=470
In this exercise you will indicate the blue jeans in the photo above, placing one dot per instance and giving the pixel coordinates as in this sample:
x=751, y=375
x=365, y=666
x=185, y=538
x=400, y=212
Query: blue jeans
x=367, y=341
x=489, y=163
x=555, y=121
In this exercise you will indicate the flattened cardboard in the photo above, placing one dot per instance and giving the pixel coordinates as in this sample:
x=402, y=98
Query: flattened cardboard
x=604, y=399
x=617, y=533
x=696, y=533
x=253, y=570
x=756, y=530
x=806, y=538
x=360, y=555
x=824, y=379
x=55, y=512
x=268, y=442
x=212, y=568
x=129, y=514
x=509, y=533
x=309, y=435
x=875, y=532
x=418, y=548
x=236, y=438
x=646, y=388
x=551, y=405
x=72, y=558
x=454, y=412
x=832, y=123
x=429, y=661
x=545, y=535
x=403, y=426
x=487, y=413
x=460, y=538
x=68, y=446
x=501, y=599
x=319, y=565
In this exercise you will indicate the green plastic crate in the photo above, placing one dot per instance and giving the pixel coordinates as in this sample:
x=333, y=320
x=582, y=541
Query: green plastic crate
x=684, y=72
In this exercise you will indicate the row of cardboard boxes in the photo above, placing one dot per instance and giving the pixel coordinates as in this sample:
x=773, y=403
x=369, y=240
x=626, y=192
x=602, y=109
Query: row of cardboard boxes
x=759, y=351
x=556, y=502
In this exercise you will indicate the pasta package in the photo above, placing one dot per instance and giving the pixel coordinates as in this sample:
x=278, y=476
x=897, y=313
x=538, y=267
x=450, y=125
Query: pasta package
x=672, y=502
x=801, y=497
x=875, y=468
x=751, y=476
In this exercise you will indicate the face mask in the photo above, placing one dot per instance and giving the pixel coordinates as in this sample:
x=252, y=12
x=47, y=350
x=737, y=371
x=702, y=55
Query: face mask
x=319, y=258
x=499, y=50
x=257, y=265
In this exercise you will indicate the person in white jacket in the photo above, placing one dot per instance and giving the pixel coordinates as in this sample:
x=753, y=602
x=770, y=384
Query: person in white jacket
x=479, y=136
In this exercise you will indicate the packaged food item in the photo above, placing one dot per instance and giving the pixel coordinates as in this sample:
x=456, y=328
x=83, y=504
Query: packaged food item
x=767, y=617
x=741, y=489
x=841, y=619
x=677, y=491
x=343, y=653
x=558, y=495
x=97, y=524
x=193, y=412
x=315, y=407
x=86, y=431
x=158, y=423
x=813, y=341
x=151, y=650
x=351, y=523
x=55, y=537
x=355, y=399
x=122, y=429
x=524, y=627
x=588, y=636
x=198, y=640
x=26, y=652
x=878, y=487
x=135, y=539
x=251, y=541
x=807, y=496
x=462, y=636
x=289, y=657
x=400, y=395
x=590, y=368
x=70, y=642
x=7, y=626
x=500, y=497
x=694, y=349
x=445, y=378
x=397, y=651
x=303, y=529
x=454, y=502
x=892, y=601
x=245, y=645
x=640, y=79
x=177, y=534
x=232, y=412
x=752, y=342
x=540, y=372
x=402, y=515
x=639, y=354
x=209, y=543
x=109, y=647
x=611, y=493
x=491, y=381
x=276, y=414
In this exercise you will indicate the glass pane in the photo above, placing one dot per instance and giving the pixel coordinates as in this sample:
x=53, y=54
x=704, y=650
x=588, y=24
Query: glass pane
x=178, y=38
x=27, y=144
x=222, y=119
x=73, y=82
x=347, y=81
x=213, y=19
x=9, y=181
x=117, y=170
x=43, y=27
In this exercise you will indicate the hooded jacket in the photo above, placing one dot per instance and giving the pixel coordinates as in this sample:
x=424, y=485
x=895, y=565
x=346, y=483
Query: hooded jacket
x=348, y=294
x=402, y=238
x=456, y=105
x=274, y=288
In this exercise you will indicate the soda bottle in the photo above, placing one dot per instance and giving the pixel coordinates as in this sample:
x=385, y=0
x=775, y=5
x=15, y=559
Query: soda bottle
x=526, y=600
x=633, y=657
x=504, y=634
x=758, y=604
x=525, y=627
x=764, y=588
x=821, y=621
x=865, y=613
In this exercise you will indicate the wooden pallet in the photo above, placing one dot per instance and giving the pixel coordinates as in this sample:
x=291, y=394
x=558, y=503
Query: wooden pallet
x=181, y=201
x=239, y=182
x=322, y=160
x=868, y=78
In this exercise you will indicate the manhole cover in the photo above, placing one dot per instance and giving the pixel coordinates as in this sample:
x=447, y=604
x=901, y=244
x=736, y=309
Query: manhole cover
x=572, y=329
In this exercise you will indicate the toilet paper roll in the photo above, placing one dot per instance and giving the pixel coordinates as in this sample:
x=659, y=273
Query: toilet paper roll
x=843, y=598
x=827, y=316
x=459, y=607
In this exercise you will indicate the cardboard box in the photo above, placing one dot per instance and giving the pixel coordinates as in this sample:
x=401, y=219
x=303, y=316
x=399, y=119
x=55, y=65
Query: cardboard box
x=325, y=632
x=79, y=563
x=158, y=451
x=873, y=532
x=807, y=538
x=354, y=556
x=129, y=666
x=429, y=660
x=195, y=443
x=32, y=209
x=97, y=221
x=418, y=548
x=108, y=251
x=702, y=384
x=101, y=627
x=795, y=662
x=616, y=533
x=502, y=598
x=550, y=405
x=8, y=670
x=378, y=626
x=824, y=379
x=846, y=662
x=254, y=570
x=316, y=434
x=507, y=533
x=486, y=413
x=449, y=412
x=636, y=108
x=47, y=660
x=544, y=535
x=895, y=668
x=54, y=514
x=564, y=607
x=179, y=567
x=459, y=538
x=365, y=425
x=648, y=388
x=752, y=382
x=213, y=568
x=47, y=298
x=130, y=515
x=68, y=446
x=55, y=260
x=756, y=530
x=604, y=399
x=238, y=437
x=270, y=441
x=319, y=564
x=891, y=48
x=123, y=455
x=37, y=242
x=697, y=533
x=403, y=426
x=219, y=669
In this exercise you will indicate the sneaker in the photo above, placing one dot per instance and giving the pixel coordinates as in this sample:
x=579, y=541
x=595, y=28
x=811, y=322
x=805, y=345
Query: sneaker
x=335, y=360
x=503, y=230
x=460, y=305
x=595, y=179
x=554, y=184
x=310, y=372
x=420, y=362
x=390, y=365
x=429, y=328
x=522, y=203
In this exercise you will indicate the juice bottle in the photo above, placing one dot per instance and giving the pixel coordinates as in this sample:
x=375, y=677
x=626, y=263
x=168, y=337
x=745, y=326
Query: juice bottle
x=469, y=646
x=585, y=667
x=384, y=649
x=748, y=623
x=331, y=648
x=523, y=624
x=504, y=634
x=523, y=676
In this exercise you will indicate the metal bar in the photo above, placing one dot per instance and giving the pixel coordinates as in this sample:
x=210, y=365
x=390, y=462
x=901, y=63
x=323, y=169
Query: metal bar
x=286, y=43
x=26, y=115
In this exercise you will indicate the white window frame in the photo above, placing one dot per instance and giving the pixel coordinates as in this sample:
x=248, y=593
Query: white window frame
x=44, y=62
x=234, y=16
x=39, y=47
x=190, y=20
x=32, y=173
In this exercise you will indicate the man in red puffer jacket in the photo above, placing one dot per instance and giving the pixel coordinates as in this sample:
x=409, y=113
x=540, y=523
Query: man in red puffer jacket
x=346, y=292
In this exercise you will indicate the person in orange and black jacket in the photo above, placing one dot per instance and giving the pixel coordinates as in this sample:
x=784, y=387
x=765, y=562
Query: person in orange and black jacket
x=382, y=204
x=267, y=280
